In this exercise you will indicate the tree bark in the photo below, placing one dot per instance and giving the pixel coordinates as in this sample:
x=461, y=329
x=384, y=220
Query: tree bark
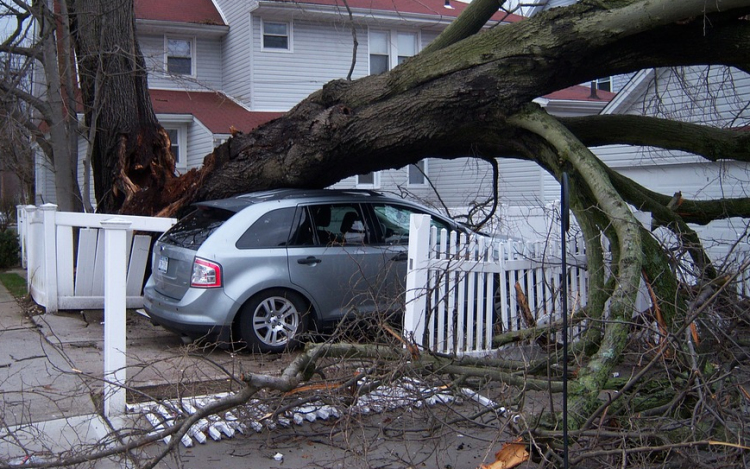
x=130, y=149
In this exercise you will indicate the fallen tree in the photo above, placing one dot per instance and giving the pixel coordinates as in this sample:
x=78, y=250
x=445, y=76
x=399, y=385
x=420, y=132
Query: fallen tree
x=470, y=94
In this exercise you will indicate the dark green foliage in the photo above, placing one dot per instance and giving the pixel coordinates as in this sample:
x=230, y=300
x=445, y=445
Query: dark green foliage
x=9, y=249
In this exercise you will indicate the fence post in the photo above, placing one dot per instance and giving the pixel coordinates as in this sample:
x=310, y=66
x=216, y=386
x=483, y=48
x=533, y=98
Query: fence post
x=416, y=278
x=115, y=271
x=30, y=246
x=50, y=256
x=21, y=229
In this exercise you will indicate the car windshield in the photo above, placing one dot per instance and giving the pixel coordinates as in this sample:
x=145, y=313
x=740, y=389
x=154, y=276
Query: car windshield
x=191, y=231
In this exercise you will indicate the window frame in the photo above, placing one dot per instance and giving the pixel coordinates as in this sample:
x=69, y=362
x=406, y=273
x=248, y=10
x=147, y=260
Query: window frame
x=180, y=163
x=604, y=81
x=392, y=40
x=189, y=40
x=403, y=238
x=289, y=36
x=424, y=174
x=366, y=185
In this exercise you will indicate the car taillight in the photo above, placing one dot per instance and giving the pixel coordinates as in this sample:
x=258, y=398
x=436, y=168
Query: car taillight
x=206, y=274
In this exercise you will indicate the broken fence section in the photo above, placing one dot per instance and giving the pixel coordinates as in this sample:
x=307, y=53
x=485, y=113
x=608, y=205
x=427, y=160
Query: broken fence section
x=257, y=416
x=461, y=290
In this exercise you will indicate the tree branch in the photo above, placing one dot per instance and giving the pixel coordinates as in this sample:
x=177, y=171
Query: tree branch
x=709, y=142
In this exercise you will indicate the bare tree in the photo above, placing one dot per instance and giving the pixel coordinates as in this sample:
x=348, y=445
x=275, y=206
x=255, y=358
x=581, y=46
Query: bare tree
x=41, y=74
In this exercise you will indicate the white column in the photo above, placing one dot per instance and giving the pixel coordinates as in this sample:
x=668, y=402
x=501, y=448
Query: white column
x=416, y=278
x=50, y=256
x=21, y=229
x=115, y=271
x=31, y=246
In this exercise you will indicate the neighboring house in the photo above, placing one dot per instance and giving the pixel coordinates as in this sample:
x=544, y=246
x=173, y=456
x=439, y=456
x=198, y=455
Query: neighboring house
x=217, y=64
x=716, y=96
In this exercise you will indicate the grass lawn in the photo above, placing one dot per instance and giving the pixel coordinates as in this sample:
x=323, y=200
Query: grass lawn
x=15, y=284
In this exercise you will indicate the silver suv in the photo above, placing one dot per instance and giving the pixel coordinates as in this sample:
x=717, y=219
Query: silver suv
x=266, y=266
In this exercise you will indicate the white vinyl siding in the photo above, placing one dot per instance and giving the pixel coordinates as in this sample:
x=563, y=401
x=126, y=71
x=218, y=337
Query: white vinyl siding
x=238, y=50
x=44, y=180
x=321, y=53
x=706, y=95
x=207, y=64
x=200, y=143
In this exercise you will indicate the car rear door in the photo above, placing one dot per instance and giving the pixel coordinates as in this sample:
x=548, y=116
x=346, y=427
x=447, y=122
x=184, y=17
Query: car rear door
x=331, y=258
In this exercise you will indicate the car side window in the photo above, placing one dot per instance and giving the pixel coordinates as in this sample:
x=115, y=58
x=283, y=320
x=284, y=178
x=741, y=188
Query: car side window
x=270, y=231
x=394, y=222
x=331, y=225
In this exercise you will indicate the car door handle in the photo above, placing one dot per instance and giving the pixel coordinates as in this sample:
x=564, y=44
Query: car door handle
x=400, y=257
x=309, y=260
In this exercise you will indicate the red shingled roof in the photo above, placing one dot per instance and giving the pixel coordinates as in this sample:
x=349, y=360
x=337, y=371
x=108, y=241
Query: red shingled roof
x=214, y=110
x=426, y=7
x=183, y=11
x=204, y=11
x=580, y=93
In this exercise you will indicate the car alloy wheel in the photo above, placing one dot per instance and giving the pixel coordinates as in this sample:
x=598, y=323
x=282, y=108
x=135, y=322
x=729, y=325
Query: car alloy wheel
x=273, y=320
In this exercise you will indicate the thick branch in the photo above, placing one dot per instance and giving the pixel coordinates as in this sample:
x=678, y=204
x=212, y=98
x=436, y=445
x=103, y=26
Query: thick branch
x=711, y=143
x=586, y=166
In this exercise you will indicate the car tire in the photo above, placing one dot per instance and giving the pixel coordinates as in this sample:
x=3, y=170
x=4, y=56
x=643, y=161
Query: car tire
x=273, y=321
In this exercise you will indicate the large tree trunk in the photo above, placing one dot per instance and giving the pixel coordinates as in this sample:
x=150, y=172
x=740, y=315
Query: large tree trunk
x=130, y=149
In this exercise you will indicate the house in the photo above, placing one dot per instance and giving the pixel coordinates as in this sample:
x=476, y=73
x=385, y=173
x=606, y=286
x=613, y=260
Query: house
x=226, y=63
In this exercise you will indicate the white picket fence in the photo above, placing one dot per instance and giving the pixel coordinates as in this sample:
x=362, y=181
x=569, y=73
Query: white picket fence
x=107, y=274
x=460, y=291
x=64, y=276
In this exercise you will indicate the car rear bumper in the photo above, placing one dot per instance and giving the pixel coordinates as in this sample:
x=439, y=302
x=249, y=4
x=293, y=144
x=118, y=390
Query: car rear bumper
x=209, y=315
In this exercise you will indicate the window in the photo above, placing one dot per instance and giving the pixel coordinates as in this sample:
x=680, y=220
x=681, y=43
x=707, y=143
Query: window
x=191, y=231
x=379, y=61
x=276, y=36
x=417, y=173
x=270, y=231
x=330, y=225
x=394, y=222
x=178, y=145
x=604, y=84
x=369, y=180
x=384, y=54
x=407, y=46
x=179, y=60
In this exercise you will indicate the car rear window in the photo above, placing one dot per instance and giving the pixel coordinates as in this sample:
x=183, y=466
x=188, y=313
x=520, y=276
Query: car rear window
x=193, y=230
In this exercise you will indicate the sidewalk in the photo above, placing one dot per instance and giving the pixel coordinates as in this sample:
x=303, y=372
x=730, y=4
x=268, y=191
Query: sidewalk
x=51, y=370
